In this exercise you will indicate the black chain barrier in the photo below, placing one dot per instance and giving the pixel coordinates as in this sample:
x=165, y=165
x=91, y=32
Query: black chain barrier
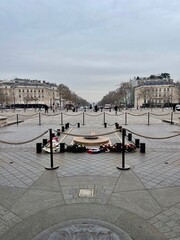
x=30, y=115
x=115, y=115
x=122, y=166
x=50, y=115
x=85, y=135
x=155, y=138
x=92, y=115
x=28, y=141
x=73, y=124
x=137, y=115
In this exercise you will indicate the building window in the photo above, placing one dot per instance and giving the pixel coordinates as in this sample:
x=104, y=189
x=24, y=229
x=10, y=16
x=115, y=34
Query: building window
x=19, y=90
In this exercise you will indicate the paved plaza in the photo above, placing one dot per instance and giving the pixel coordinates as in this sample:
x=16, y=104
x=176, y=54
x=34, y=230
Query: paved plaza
x=88, y=197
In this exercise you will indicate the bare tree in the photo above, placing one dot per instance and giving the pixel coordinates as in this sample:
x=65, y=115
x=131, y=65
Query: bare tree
x=147, y=94
x=65, y=94
x=178, y=91
x=4, y=98
x=125, y=90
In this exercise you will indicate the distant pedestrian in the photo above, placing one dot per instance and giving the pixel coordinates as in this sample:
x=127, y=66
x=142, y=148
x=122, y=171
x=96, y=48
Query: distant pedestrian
x=174, y=108
x=95, y=108
x=116, y=108
x=46, y=109
x=53, y=107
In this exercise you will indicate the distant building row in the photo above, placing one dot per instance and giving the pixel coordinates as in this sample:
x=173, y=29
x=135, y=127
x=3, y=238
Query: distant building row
x=25, y=91
x=155, y=92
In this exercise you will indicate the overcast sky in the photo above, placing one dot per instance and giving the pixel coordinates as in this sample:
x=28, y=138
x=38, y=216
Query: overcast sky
x=90, y=46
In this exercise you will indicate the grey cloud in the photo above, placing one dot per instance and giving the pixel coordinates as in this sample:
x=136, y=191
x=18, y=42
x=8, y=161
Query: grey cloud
x=94, y=41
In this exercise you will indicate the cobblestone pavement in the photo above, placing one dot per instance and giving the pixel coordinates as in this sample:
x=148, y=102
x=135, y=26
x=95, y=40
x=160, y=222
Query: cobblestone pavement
x=143, y=202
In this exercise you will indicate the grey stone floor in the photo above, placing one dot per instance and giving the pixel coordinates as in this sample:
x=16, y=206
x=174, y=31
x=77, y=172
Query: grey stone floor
x=143, y=202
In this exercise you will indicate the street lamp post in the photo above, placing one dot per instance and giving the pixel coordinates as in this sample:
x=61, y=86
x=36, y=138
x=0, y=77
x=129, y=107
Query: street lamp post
x=170, y=96
x=14, y=96
x=137, y=102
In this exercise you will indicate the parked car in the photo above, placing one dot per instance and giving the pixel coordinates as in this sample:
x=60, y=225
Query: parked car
x=177, y=108
x=145, y=105
x=107, y=106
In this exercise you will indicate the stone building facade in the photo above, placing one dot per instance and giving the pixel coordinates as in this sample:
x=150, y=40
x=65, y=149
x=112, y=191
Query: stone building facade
x=156, y=94
x=24, y=91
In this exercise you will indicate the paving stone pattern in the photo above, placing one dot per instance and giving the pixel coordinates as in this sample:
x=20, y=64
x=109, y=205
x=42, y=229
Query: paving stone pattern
x=150, y=190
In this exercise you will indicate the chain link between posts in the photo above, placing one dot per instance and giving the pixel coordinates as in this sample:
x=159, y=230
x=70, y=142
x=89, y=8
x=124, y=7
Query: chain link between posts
x=30, y=115
x=155, y=114
x=72, y=115
x=137, y=115
x=28, y=141
x=155, y=138
x=114, y=115
x=91, y=115
x=50, y=115
x=85, y=135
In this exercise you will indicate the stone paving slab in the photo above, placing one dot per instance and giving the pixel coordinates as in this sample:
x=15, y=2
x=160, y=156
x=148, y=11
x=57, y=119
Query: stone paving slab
x=143, y=201
x=140, y=202
x=34, y=201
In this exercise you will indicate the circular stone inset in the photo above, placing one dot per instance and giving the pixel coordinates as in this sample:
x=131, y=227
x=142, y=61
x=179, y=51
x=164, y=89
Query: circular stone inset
x=81, y=229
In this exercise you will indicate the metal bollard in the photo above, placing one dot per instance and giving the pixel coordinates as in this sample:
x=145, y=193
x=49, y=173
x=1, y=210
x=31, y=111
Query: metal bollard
x=130, y=137
x=38, y=147
x=58, y=132
x=62, y=147
x=137, y=143
x=17, y=119
x=105, y=125
x=78, y=125
x=142, y=147
x=120, y=128
x=123, y=165
x=51, y=166
x=119, y=147
x=44, y=142
x=53, y=135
